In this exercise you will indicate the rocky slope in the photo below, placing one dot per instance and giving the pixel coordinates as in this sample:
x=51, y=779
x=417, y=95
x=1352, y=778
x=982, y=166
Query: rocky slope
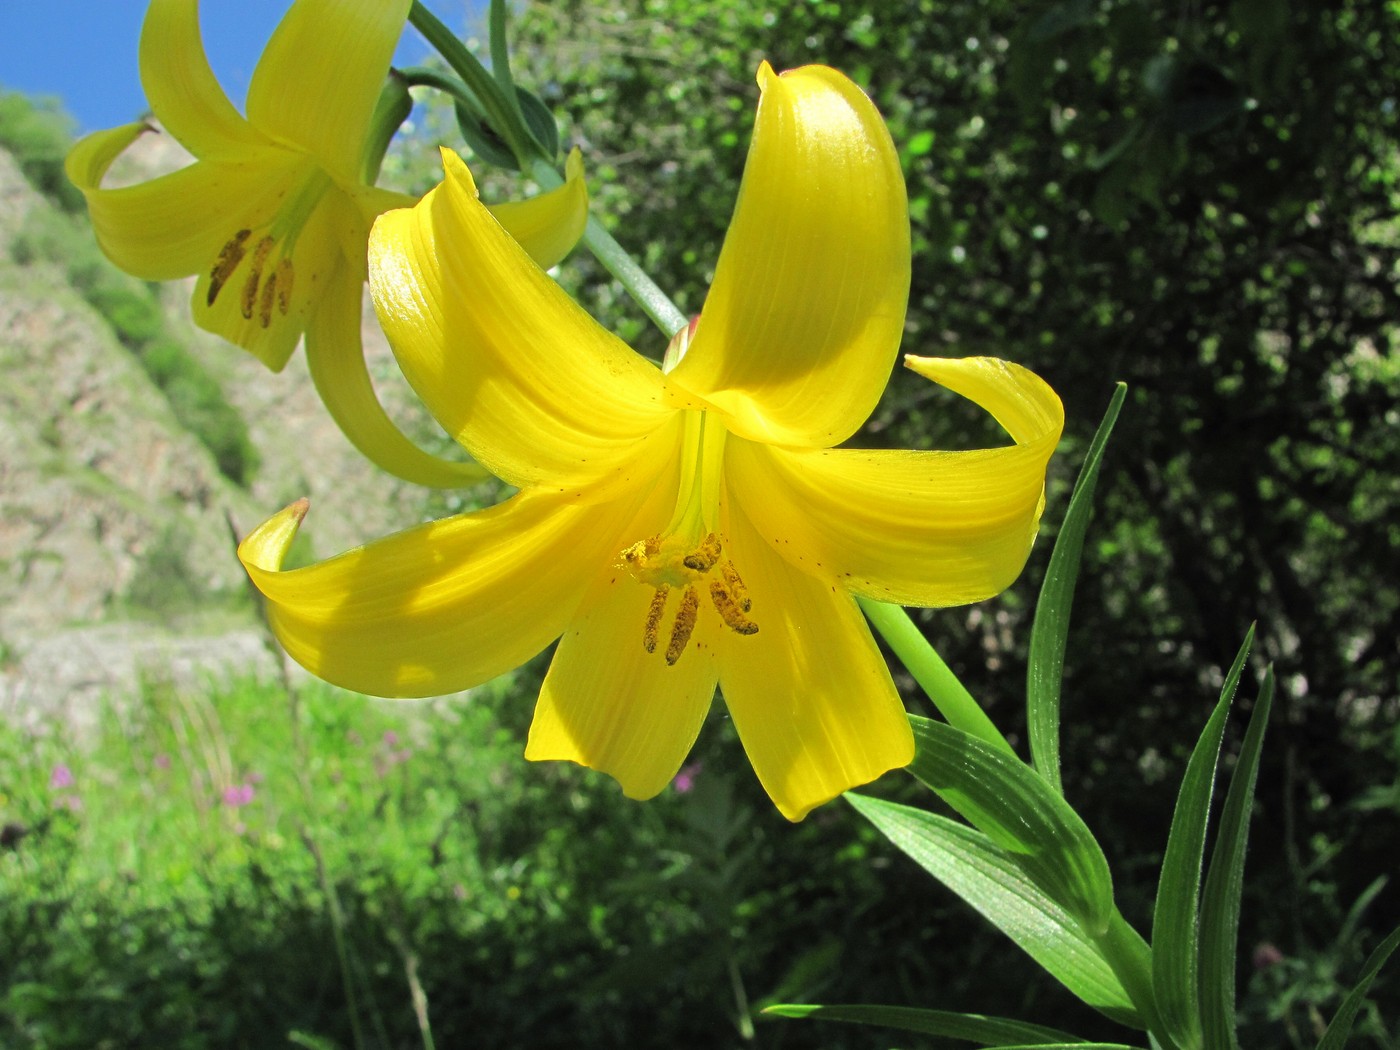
x=115, y=523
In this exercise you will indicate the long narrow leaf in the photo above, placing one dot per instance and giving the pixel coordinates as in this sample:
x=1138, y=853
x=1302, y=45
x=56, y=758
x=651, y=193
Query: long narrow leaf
x=974, y=1028
x=985, y=876
x=1175, y=922
x=1335, y=1038
x=1220, y=906
x=1005, y=799
x=1051, y=626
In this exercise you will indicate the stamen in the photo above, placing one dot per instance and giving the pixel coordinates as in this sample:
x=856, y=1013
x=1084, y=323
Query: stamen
x=658, y=606
x=730, y=610
x=703, y=557
x=736, y=586
x=684, y=625
x=250, y=286
x=284, y=278
x=269, y=293
x=230, y=255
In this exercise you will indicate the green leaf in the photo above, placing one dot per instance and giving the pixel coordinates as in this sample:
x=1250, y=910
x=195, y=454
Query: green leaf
x=1335, y=1037
x=1047, y=646
x=975, y=1028
x=1021, y=813
x=539, y=121
x=969, y=864
x=1175, y=922
x=1220, y=906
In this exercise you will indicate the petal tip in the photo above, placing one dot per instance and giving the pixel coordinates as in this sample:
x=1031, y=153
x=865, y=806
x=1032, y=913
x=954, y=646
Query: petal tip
x=267, y=545
x=765, y=75
x=455, y=170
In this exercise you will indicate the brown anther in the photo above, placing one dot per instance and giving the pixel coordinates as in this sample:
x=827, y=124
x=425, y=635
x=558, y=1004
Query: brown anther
x=265, y=301
x=703, y=557
x=250, y=287
x=658, y=606
x=737, y=590
x=230, y=255
x=284, y=275
x=730, y=610
x=684, y=625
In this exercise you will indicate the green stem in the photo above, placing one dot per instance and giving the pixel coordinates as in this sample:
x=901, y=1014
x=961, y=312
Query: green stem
x=656, y=303
x=1128, y=955
x=502, y=113
x=948, y=694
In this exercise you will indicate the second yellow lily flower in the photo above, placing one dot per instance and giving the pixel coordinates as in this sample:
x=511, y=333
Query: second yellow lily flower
x=274, y=214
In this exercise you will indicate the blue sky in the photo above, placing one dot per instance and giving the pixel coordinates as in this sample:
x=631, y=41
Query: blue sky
x=84, y=51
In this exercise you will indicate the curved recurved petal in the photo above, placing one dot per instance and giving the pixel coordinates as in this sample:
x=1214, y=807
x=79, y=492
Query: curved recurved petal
x=801, y=326
x=335, y=356
x=317, y=82
x=263, y=305
x=505, y=360
x=609, y=704
x=810, y=693
x=183, y=92
x=173, y=225
x=916, y=528
x=549, y=225
x=441, y=607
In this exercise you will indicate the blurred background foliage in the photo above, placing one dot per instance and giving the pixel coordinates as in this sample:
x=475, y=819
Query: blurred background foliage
x=1198, y=199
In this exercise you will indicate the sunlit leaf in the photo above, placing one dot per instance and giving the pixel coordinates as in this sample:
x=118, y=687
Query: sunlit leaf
x=1021, y=813
x=1175, y=926
x=1220, y=906
x=985, y=876
x=1046, y=661
x=975, y=1028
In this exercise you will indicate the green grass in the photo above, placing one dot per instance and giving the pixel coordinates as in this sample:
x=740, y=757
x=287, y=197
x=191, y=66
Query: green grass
x=215, y=857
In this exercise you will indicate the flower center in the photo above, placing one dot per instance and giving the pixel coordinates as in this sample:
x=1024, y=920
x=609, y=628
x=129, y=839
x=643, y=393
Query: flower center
x=688, y=555
x=268, y=282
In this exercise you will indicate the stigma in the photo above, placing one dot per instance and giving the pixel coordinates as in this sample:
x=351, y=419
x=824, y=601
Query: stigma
x=671, y=564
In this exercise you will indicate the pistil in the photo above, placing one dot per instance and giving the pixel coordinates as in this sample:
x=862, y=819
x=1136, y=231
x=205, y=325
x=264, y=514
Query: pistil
x=689, y=553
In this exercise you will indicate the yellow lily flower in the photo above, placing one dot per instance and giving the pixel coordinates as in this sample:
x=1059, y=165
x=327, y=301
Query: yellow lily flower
x=275, y=212
x=680, y=530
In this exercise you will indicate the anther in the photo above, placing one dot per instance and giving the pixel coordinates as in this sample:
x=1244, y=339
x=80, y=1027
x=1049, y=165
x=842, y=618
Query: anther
x=250, y=286
x=658, y=607
x=730, y=610
x=284, y=278
x=230, y=255
x=269, y=294
x=684, y=625
x=736, y=587
x=703, y=557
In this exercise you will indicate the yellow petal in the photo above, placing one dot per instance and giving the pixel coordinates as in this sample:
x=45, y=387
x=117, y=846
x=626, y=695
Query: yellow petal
x=534, y=388
x=441, y=607
x=549, y=225
x=335, y=356
x=609, y=704
x=320, y=76
x=916, y=528
x=810, y=693
x=172, y=226
x=800, y=329
x=242, y=309
x=183, y=92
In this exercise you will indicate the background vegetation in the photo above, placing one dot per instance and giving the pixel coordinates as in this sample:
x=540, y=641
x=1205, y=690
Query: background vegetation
x=1197, y=199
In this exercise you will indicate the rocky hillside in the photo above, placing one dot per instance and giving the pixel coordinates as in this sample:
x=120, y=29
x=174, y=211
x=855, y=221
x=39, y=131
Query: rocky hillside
x=116, y=552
